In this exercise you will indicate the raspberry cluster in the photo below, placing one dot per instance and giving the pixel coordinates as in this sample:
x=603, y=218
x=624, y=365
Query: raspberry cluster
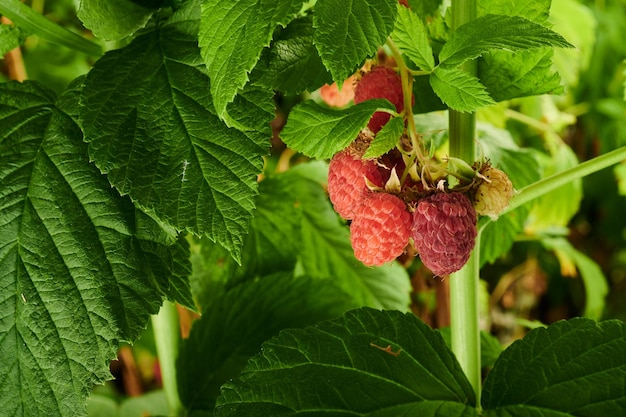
x=402, y=198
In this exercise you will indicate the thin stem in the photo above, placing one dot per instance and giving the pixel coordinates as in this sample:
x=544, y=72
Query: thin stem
x=555, y=181
x=166, y=337
x=465, y=333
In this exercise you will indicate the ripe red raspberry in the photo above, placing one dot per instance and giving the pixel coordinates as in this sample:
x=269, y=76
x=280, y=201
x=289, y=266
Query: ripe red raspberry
x=346, y=182
x=444, y=231
x=380, y=82
x=380, y=229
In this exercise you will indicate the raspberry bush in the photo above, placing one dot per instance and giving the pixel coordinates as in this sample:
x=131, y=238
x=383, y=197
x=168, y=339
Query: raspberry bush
x=290, y=185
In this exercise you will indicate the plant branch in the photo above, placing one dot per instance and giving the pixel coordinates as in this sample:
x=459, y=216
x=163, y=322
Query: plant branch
x=465, y=334
x=546, y=185
x=166, y=337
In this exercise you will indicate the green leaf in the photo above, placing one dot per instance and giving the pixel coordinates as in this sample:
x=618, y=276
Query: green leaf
x=232, y=36
x=367, y=362
x=293, y=62
x=326, y=252
x=559, y=206
x=496, y=32
x=459, y=90
x=596, y=287
x=510, y=75
x=426, y=100
x=411, y=36
x=574, y=367
x=525, y=73
x=113, y=20
x=149, y=120
x=221, y=342
x=386, y=139
x=11, y=37
x=320, y=132
x=33, y=22
x=75, y=275
x=348, y=32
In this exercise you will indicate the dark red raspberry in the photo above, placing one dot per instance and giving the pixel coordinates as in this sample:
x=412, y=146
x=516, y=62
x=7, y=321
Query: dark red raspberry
x=444, y=231
x=346, y=182
x=380, y=229
x=380, y=82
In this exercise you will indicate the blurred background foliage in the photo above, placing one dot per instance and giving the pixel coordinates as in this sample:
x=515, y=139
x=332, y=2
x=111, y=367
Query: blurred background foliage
x=573, y=243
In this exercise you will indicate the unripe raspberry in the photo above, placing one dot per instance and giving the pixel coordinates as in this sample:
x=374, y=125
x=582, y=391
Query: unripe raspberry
x=346, y=182
x=380, y=82
x=444, y=231
x=493, y=195
x=380, y=229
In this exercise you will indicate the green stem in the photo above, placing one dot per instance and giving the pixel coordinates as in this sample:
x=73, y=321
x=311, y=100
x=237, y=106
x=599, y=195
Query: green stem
x=555, y=181
x=464, y=284
x=166, y=337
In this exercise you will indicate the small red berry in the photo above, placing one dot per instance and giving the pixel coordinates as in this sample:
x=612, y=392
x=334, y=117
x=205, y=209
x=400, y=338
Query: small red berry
x=444, y=231
x=380, y=82
x=380, y=229
x=346, y=182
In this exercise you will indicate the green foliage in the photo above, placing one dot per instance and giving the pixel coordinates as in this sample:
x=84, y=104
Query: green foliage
x=374, y=363
x=320, y=132
x=368, y=362
x=113, y=20
x=159, y=140
x=69, y=293
x=410, y=35
x=232, y=36
x=459, y=90
x=537, y=375
x=151, y=178
x=496, y=32
x=386, y=139
x=348, y=32
x=10, y=37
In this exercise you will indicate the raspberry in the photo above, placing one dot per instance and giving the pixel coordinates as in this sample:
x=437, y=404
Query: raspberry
x=380, y=229
x=334, y=97
x=444, y=231
x=346, y=182
x=380, y=82
x=493, y=195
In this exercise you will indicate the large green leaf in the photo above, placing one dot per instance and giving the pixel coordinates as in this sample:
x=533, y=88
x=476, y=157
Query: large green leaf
x=232, y=37
x=496, y=32
x=571, y=368
x=347, y=32
x=77, y=269
x=238, y=319
x=293, y=64
x=366, y=363
x=149, y=120
x=320, y=132
x=522, y=73
x=510, y=75
x=113, y=20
